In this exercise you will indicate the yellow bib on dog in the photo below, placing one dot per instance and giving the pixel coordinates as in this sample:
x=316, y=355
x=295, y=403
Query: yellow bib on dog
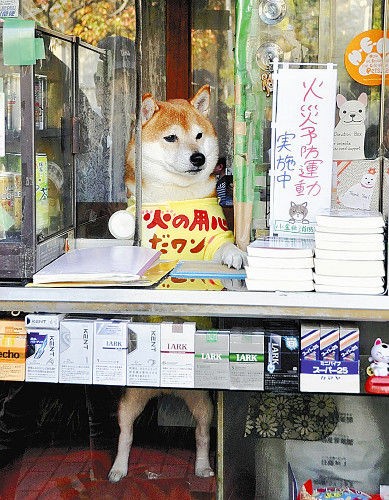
x=185, y=230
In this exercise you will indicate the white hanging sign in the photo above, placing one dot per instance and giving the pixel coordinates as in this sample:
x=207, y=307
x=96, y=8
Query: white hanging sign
x=302, y=148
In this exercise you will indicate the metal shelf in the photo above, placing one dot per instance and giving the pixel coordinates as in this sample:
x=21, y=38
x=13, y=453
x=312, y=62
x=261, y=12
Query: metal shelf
x=135, y=301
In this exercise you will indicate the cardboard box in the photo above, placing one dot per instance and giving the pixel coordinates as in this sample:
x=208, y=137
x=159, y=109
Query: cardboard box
x=42, y=360
x=212, y=368
x=177, y=354
x=76, y=351
x=13, y=338
x=110, y=352
x=43, y=320
x=247, y=360
x=143, y=358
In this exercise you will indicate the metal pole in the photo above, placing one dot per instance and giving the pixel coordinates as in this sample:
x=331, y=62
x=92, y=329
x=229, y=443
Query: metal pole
x=138, y=123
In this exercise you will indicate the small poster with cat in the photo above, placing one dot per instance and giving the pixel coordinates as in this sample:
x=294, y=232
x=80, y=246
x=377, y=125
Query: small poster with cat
x=302, y=143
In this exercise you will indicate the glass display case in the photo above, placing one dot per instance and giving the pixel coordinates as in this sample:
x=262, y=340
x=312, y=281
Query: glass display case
x=42, y=124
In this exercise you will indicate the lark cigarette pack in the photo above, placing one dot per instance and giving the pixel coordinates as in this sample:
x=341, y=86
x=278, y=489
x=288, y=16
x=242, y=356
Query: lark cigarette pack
x=177, y=354
x=76, y=351
x=12, y=350
x=247, y=360
x=143, y=358
x=282, y=360
x=42, y=360
x=110, y=352
x=212, y=369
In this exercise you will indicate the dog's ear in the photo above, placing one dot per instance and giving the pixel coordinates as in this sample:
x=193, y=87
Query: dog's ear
x=202, y=99
x=149, y=107
x=340, y=100
x=363, y=98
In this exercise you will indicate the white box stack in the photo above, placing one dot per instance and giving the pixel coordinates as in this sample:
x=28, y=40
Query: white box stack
x=349, y=252
x=283, y=264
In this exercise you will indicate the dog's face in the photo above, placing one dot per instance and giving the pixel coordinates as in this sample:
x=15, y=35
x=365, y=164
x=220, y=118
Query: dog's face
x=352, y=112
x=368, y=180
x=179, y=144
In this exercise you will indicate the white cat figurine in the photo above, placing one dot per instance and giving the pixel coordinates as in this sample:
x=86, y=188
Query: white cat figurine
x=379, y=359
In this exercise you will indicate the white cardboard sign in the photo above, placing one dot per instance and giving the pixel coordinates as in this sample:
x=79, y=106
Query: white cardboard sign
x=302, y=148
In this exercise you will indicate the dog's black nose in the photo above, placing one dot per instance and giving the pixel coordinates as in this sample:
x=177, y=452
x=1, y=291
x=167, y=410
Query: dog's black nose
x=197, y=159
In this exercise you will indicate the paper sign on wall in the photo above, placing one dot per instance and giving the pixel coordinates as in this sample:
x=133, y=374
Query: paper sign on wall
x=9, y=8
x=302, y=148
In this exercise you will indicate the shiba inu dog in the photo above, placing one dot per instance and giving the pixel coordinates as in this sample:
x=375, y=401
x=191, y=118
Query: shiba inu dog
x=179, y=155
x=182, y=218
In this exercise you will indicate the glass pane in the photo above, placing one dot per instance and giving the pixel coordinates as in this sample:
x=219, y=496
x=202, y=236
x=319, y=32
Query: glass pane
x=213, y=64
x=53, y=96
x=10, y=161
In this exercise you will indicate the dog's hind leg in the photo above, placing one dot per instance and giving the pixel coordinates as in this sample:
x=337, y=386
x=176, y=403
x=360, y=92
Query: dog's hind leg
x=131, y=406
x=200, y=405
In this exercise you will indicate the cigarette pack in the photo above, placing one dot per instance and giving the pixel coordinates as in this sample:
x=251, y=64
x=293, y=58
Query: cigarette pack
x=12, y=349
x=76, y=351
x=42, y=359
x=212, y=370
x=247, y=360
x=43, y=320
x=177, y=354
x=110, y=352
x=143, y=358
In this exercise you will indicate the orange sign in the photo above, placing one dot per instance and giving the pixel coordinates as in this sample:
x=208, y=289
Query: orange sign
x=364, y=57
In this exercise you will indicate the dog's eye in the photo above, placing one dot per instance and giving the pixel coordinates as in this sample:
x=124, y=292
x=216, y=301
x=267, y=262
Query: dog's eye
x=171, y=138
x=199, y=136
x=344, y=112
x=360, y=111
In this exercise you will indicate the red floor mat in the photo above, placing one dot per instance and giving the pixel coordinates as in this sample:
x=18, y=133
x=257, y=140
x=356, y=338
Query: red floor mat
x=68, y=474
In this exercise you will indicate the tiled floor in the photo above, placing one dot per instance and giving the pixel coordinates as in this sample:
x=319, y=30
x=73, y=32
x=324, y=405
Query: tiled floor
x=62, y=473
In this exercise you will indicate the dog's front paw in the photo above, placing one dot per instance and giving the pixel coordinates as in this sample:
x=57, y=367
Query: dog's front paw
x=233, y=285
x=117, y=473
x=230, y=255
x=203, y=469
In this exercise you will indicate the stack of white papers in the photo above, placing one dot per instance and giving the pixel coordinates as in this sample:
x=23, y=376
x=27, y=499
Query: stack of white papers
x=100, y=264
x=350, y=252
x=276, y=263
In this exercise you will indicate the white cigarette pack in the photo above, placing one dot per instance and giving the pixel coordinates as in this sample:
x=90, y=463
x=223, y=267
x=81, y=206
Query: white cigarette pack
x=143, y=358
x=110, y=352
x=76, y=351
x=43, y=320
x=42, y=359
x=177, y=354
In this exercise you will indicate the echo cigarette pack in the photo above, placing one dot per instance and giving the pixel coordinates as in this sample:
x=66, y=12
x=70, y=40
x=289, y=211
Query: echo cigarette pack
x=12, y=350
